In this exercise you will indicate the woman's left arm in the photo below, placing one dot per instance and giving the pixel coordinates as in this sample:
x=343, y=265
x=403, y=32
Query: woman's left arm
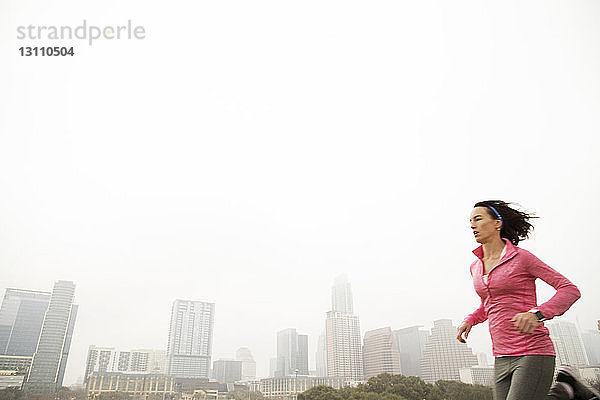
x=566, y=292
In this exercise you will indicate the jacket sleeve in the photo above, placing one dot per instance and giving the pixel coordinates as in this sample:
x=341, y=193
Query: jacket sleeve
x=478, y=316
x=566, y=292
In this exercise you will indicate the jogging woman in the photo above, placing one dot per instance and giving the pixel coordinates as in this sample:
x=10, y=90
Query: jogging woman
x=504, y=277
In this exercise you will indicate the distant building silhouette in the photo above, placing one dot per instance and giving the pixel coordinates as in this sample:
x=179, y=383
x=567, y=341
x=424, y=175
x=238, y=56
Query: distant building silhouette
x=227, y=371
x=567, y=343
x=477, y=375
x=591, y=343
x=189, y=349
x=244, y=355
x=444, y=356
x=321, y=355
x=380, y=353
x=292, y=353
x=411, y=345
x=341, y=296
x=272, y=367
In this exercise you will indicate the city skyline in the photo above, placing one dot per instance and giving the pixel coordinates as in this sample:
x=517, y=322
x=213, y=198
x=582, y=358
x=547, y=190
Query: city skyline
x=561, y=322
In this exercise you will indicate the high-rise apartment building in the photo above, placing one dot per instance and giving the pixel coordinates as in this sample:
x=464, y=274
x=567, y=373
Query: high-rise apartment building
x=380, y=353
x=342, y=330
x=189, y=349
x=567, y=343
x=292, y=353
x=591, y=343
x=244, y=355
x=21, y=317
x=50, y=357
x=109, y=359
x=411, y=345
x=444, y=356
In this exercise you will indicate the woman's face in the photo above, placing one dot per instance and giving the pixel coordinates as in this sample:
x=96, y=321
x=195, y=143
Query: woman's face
x=484, y=227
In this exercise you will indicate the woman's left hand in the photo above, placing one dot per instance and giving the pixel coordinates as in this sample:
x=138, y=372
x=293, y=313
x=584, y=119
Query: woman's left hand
x=525, y=322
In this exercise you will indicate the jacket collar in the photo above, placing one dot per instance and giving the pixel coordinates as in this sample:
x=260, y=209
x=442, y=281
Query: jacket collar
x=510, y=250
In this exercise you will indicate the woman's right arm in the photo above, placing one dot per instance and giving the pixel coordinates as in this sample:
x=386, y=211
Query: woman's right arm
x=477, y=317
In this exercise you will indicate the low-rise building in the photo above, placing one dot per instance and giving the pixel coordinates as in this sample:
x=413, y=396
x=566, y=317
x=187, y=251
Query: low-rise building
x=288, y=388
x=109, y=359
x=135, y=385
x=477, y=375
x=11, y=379
x=590, y=373
x=227, y=371
x=15, y=363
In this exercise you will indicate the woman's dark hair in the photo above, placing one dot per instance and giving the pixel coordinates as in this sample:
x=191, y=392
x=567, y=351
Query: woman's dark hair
x=515, y=223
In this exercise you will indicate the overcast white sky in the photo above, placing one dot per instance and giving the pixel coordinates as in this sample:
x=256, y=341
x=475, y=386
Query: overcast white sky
x=247, y=152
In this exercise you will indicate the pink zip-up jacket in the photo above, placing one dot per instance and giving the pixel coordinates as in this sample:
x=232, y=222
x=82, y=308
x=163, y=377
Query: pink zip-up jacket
x=510, y=290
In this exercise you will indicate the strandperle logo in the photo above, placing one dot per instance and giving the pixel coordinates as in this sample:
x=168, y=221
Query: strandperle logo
x=90, y=33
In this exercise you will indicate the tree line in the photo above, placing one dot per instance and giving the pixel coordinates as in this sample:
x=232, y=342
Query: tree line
x=399, y=387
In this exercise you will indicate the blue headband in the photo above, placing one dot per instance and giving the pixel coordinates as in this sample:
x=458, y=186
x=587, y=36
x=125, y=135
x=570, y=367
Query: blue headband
x=497, y=213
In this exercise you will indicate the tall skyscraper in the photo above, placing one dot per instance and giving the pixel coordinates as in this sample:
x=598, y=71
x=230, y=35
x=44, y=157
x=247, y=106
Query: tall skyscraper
x=411, y=344
x=342, y=330
x=567, y=343
x=444, y=356
x=380, y=353
x=591, y=343
x=321, y=355
x=244, y=355
x=21, y=317
x=292, y=353
x=50, y=357
x=189, y=349
x=341, y=296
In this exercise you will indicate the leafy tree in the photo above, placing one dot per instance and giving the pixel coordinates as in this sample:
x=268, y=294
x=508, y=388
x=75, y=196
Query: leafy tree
x=160, y=396
x=64, y=393
x=244, y=395
x=113, y=396
x=453, y=390
x=399, y=387
x=11, y=394
x=320, y=393
x=358, y=394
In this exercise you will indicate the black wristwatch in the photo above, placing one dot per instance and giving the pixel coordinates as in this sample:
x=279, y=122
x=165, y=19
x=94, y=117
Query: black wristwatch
x=538, y=314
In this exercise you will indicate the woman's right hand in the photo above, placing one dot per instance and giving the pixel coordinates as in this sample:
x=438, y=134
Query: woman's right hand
x=465, y=328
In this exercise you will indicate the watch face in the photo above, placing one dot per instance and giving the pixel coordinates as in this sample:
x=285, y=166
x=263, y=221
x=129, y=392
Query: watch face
x=539, y=315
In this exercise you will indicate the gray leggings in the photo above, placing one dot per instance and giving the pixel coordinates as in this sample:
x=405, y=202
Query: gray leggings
x=526, y=378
